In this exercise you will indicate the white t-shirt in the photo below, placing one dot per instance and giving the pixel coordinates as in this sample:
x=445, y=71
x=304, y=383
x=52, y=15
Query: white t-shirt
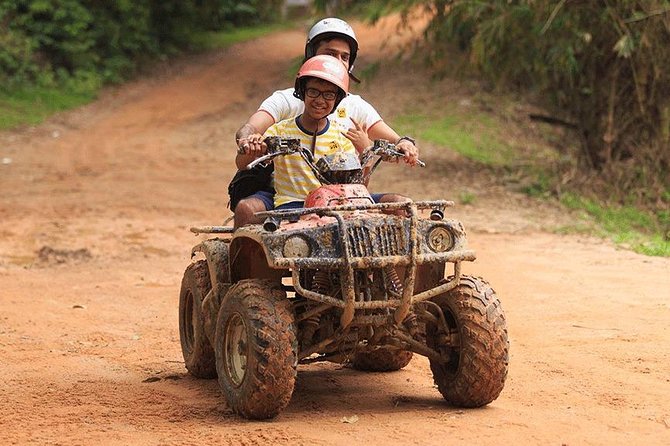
x=283, y=105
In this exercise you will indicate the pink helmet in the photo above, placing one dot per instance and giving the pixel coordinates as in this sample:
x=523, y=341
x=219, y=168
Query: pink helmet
x=324, y=67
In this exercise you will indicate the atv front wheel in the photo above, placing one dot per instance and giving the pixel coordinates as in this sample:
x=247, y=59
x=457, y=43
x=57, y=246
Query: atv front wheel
x=382, y=359
x=198, y=352
x=475, y=352
x=256, y=349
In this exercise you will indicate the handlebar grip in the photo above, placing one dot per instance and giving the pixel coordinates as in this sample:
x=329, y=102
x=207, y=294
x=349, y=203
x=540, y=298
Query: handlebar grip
x=399, y=154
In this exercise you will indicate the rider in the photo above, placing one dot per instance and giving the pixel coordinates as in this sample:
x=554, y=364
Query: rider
x=334, y=37
x=322, y=83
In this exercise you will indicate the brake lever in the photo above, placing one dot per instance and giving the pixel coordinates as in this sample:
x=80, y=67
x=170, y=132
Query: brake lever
x=399, y=154
x=261, y=160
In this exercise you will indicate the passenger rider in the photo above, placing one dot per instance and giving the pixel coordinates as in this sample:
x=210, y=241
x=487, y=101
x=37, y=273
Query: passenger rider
x=333, y=37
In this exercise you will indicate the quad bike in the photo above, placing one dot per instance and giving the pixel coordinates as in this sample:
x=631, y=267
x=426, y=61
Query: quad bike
x=345, y=280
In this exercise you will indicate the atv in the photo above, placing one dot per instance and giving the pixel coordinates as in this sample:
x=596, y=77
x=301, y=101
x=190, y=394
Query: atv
x=345, y=280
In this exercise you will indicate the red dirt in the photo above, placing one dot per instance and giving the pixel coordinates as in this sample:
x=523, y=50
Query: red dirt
x=96, y=206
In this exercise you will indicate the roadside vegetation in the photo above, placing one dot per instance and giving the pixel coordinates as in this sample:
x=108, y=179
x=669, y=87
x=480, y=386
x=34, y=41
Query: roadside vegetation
x=483, y=138
x=474, y=135
x=58, y=55
x=643, y=232
x=31, y=103
x=600, y=73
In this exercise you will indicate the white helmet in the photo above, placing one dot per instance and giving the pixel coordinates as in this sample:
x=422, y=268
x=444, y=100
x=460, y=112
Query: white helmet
x=328, y=29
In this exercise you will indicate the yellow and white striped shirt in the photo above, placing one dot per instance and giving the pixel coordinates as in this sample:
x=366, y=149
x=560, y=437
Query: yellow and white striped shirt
x=293, y=179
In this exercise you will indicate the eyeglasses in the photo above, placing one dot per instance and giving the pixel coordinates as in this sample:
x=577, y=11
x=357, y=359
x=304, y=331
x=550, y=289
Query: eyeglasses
x=327, y=95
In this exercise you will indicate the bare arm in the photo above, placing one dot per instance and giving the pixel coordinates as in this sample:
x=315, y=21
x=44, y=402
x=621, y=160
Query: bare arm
x=242, y=160
x=381, y=130
x=249, y=136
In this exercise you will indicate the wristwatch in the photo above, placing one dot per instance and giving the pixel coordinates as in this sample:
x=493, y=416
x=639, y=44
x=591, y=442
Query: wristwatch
x=407, y=138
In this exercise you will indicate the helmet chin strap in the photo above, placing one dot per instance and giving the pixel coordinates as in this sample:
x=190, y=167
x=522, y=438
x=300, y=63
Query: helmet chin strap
x=316, y=130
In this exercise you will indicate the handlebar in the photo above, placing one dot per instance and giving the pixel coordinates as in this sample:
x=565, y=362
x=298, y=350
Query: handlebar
x=277, y=146
x=385, y=149
x=398, y=154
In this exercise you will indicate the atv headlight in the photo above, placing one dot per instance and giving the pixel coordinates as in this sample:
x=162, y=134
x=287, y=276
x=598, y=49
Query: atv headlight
x=297, y=246
x=440, y=239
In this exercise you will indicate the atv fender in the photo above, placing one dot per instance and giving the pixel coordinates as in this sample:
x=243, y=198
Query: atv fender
x=249, y=260
x=218, y=263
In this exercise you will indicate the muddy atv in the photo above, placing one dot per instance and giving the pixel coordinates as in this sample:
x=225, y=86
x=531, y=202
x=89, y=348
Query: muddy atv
x=345, y=280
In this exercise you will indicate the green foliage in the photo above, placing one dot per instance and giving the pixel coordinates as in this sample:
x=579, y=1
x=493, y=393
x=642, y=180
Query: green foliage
x=45, y=42
x=540, y=186
x=625, y=225
x=31, y=105
x=206, y=40
x=473, y=136
x=56, y=54
x=603, y=65
x=466, y=197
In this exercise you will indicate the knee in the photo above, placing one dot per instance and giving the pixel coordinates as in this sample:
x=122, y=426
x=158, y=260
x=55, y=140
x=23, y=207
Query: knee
x=243, y=213
x=393, y=198
x=245, y=210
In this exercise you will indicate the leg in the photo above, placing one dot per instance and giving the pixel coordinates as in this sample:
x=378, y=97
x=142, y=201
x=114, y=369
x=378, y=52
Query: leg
x=245, y=209
x=392, y=198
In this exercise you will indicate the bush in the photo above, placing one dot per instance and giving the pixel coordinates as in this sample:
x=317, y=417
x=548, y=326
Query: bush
x=43, y=41
x=601, y=65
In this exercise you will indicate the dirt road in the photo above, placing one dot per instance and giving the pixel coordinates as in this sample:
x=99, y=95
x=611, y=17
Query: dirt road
x=95, y=207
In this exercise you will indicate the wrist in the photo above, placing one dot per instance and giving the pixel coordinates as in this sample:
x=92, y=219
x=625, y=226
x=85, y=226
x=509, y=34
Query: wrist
x=244, y=132
x=406, y=138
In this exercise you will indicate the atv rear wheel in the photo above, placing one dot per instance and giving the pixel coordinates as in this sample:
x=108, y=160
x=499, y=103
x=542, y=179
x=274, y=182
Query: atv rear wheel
x=476, y=349
x=382, y=359
x=256, y=349
x=198, y=352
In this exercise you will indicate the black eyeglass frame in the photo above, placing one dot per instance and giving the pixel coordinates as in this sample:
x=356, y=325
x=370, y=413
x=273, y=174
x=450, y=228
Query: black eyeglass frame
x=315, y=93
